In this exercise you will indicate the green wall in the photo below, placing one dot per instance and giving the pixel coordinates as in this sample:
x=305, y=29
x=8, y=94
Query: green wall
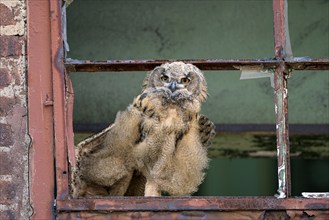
x=113, y=29
x=102, y=30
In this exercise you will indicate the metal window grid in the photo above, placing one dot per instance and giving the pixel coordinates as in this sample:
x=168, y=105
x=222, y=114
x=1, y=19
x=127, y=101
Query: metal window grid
x=64, y=146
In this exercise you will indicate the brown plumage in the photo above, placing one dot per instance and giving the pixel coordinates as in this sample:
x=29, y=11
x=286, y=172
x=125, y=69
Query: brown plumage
x=158, y=144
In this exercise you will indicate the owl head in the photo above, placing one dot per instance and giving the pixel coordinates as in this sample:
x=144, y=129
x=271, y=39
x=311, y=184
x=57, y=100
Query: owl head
x=177, y=81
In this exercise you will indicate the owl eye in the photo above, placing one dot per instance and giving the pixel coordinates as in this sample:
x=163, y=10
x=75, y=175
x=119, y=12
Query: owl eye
x=185, y=80
x=164, y=78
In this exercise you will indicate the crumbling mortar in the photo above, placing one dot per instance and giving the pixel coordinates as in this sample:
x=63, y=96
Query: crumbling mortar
x=12, y=90
x=3, y=120
x=19, y=8
x=26, y=190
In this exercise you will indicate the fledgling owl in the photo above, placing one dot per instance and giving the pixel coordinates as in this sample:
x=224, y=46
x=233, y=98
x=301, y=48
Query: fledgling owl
x=158, y=145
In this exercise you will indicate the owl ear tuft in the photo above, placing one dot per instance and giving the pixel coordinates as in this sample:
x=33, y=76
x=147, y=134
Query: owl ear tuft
x=158, y=69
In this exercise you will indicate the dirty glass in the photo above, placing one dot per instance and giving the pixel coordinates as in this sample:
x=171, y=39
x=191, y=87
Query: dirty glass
x=110, y=30
x=309, y=25
x=308, y=107
x=104, y=30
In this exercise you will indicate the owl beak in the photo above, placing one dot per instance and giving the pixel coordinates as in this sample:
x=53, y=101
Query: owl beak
x=173, y=86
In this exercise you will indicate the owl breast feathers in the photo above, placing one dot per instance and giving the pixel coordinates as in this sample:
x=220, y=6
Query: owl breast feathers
x=157, y=145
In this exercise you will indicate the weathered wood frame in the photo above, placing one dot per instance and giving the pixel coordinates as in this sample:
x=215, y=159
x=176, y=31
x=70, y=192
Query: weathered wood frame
x=60, y=98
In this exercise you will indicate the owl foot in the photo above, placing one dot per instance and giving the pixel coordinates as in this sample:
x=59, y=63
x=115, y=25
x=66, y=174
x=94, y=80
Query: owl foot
x=207, y=130
x=151, y=189
x=144, y=104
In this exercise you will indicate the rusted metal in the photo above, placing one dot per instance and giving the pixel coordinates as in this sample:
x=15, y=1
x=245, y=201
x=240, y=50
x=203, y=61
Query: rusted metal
x=281, y=98
x=307, y=64
x=191, y=204
x=282, y=137
x=40, y=111
x=60, y=101
x=279, y=28
x=190, y=215
x=146, y=65
x=69, y=122
x=196, y=215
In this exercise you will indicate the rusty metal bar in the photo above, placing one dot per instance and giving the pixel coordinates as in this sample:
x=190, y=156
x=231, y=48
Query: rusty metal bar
x=146, y=65
x=69, y=122
x=191, y=203
x=307, y=64
x=40, y=112
x=282, y=134
x=281, y=98
x=59, y=98
x=73, y=65
x=242, y=214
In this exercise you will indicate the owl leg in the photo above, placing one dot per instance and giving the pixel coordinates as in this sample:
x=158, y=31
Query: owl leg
x=137, y=185
x=162, y=165
x=120, y=187
x=92, y=190
x=187, y=165
x=82, y=189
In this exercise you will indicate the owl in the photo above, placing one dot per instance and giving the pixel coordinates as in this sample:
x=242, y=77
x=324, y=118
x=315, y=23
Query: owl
x=157, y=146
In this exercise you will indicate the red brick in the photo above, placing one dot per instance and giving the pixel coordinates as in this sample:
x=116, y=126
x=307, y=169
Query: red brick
x=6, y=135
x=8, y=191
x=7, y=16
x=6, y=104
x=7, y=164
x=9, y=214
x=11, y=46
x=5, y=78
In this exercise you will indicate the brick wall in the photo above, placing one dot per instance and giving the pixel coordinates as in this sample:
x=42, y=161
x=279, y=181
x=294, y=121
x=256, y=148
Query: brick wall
x=14, y=141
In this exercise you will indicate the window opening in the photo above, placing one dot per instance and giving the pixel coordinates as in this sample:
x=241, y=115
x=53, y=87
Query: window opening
x=312, y=147
x=282, y=67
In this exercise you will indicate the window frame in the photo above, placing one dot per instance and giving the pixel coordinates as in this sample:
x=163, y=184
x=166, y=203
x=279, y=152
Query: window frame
x=63, y=130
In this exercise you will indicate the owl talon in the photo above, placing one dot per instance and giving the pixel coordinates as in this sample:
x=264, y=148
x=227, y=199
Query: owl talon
x=148, y=112
x=137, y=103
x=207, y=130
x=145, y=104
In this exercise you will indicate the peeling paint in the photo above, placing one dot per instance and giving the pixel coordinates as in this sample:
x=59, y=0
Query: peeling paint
x=282, y=183
x=315, y=194
x=282, y=51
